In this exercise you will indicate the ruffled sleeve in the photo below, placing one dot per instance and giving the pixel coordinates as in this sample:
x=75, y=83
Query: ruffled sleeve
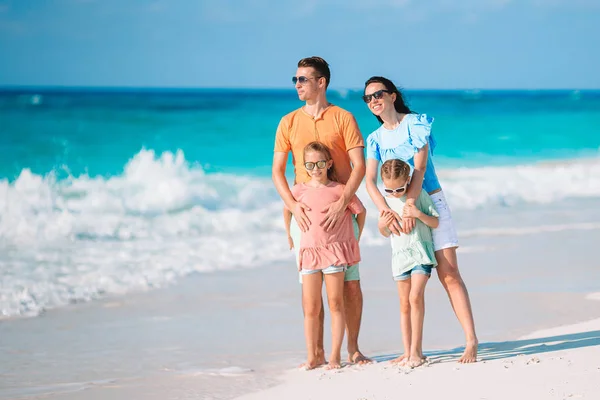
x=373, y=147
x=419, y=132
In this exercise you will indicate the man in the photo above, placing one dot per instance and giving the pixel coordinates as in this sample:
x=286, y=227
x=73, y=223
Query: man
x=337, y=129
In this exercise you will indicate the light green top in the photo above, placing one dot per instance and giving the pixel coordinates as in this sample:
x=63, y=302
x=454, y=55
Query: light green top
x=416, y=248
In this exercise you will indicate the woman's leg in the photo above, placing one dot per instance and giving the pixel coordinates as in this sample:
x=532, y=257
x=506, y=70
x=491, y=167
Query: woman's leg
x=450, y=278
x=405, y=327
x=417, y=315
x=335, y=298
x=311, y=299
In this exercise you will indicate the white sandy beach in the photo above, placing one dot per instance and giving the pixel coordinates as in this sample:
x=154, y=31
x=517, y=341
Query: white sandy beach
x=558, y=363
x=238, y=334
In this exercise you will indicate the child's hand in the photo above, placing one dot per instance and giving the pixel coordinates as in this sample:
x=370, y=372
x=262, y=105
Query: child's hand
x=385, y=219
x=411, y=211
x=290, y=242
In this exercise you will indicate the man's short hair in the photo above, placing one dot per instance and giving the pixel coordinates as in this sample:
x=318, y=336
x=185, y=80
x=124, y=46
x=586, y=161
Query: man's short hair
x=320, y=66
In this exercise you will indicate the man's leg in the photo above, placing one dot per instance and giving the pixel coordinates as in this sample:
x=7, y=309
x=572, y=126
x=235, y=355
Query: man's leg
x=353, y=304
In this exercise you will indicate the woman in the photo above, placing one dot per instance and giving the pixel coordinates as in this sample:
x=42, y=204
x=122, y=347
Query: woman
x=407, y=136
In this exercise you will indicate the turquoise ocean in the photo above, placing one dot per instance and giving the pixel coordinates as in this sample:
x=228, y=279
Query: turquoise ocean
x=107, y=192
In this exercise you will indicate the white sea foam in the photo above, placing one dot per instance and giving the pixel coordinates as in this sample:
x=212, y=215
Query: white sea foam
x=162, y=218
x=470, y=188
x=593, y=296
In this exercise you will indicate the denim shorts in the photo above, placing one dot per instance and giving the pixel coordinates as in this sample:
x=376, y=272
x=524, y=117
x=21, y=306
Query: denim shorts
x=419, y=269
x=332, y=269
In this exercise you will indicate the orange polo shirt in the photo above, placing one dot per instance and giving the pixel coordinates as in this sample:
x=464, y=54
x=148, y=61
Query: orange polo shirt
x=336, y=128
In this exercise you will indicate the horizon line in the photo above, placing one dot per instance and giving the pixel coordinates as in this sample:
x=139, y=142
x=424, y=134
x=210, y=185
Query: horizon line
x=12, y=87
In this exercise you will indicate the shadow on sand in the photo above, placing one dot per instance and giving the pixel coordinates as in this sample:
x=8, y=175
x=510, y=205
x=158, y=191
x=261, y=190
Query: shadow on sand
x=500, y=350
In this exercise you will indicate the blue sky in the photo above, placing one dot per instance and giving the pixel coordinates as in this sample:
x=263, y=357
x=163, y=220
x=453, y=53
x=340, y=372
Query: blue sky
x=422, y=44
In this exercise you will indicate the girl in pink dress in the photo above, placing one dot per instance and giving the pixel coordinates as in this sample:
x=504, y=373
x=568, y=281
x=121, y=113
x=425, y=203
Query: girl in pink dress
x=325, y=255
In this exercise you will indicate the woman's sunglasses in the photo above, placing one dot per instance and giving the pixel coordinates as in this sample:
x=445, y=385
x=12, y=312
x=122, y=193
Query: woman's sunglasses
x=303, y=79
x=397, y=190
x=319, y=164
x=377, y=95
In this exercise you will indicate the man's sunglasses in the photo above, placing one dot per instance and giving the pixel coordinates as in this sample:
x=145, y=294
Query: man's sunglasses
x=397, y=190
x=319, y=164
x=377, y=95
x=303, y=79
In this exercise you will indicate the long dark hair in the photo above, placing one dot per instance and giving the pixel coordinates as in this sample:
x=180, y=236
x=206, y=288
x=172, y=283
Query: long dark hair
x=321, y=148
x=400, y=105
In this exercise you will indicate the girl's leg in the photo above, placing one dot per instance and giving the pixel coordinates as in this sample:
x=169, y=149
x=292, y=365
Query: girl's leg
x=450, y=278
x=335, y=298
x=417, y=315
x=405, y=327
x=320, y=349
x=311, y=298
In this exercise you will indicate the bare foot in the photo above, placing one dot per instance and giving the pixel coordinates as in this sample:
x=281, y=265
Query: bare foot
x=310, y=364
x=470, y=354
x=319, y=360
x=334, y=364
x=359, y=358
x=400, y=360
x=415, y=361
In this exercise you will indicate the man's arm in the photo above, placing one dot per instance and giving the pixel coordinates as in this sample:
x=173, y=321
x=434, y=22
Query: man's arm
x=281, y=184
x=336, y=209
x=357, y=158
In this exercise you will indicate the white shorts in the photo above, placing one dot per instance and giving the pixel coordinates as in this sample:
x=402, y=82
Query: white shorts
x=444, y=236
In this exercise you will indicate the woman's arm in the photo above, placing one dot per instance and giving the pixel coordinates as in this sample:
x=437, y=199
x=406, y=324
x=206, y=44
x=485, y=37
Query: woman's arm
x=416, y=185
x=377, y=197
x=371, y=183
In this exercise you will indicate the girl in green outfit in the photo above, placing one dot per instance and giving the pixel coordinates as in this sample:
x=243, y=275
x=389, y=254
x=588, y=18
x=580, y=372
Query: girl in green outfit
x=413, y=256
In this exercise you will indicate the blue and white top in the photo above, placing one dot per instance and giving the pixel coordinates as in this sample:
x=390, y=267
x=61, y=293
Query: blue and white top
x=403, y=142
